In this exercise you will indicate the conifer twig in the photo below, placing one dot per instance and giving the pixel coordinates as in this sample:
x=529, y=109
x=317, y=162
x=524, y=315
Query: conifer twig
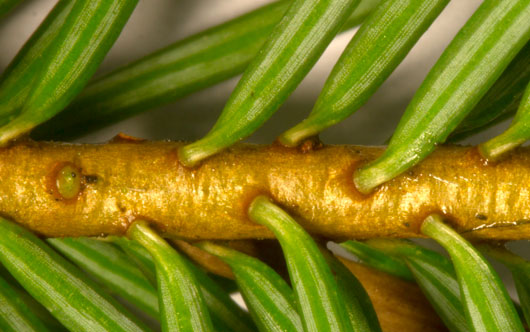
x=121, y=182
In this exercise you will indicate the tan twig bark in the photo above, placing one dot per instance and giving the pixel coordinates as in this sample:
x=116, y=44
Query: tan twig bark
x=122, y=181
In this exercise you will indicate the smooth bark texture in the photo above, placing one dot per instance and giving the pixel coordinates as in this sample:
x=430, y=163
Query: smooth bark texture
x=129, y=179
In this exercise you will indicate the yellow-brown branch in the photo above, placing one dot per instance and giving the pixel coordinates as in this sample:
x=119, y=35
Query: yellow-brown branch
x=122, y=181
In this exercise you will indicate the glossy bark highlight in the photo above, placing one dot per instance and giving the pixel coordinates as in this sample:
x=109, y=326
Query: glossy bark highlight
x=123, y=181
